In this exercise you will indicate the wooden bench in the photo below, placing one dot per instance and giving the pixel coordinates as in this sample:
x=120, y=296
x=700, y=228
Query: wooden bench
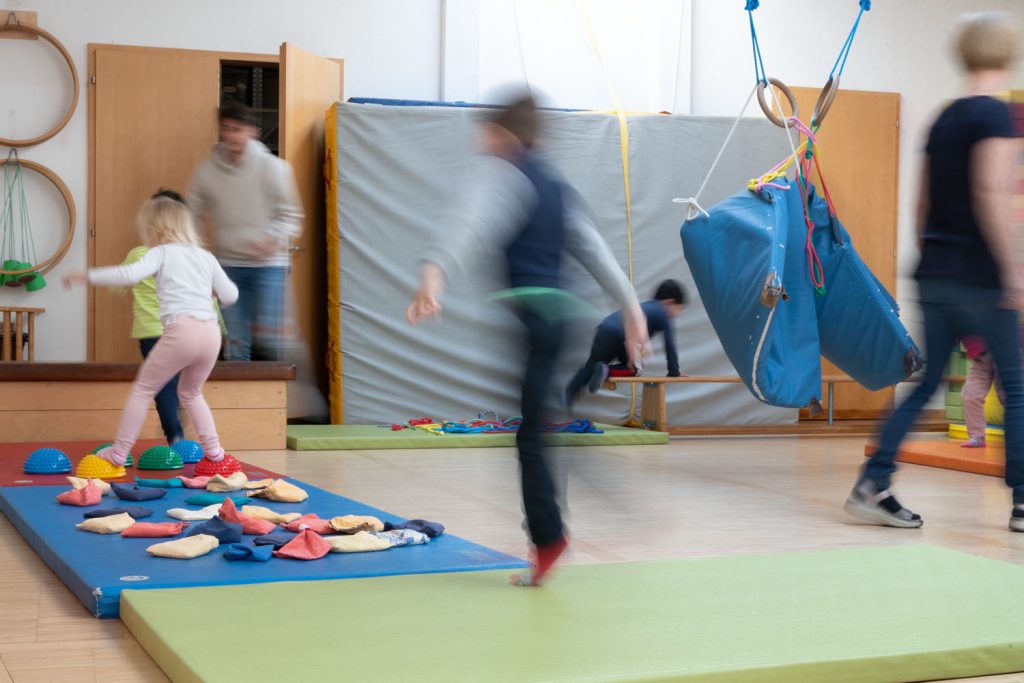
x=652, y=400
x=83, y=401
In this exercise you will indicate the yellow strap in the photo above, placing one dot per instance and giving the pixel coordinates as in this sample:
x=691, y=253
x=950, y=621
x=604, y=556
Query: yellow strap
x=624, y=149
x=623, y=138
x=780, y=172
x=334, y=374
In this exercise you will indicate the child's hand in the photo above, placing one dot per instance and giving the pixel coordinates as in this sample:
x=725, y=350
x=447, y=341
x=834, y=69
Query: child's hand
x=77, y=277
x=424, y=302
x=424, y=305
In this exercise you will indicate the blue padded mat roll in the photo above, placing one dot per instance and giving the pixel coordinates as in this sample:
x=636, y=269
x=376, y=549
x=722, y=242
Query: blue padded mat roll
x=858, y=319
x=748, y=266
x=96, y=568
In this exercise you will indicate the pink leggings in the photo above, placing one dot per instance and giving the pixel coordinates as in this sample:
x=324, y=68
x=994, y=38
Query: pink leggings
x=188, y=346
x=979, y=380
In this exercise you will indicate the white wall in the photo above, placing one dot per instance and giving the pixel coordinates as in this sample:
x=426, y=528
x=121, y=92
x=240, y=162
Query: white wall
x=677, y=55
x=547, y=42
x=391, y=49
x=901, y=46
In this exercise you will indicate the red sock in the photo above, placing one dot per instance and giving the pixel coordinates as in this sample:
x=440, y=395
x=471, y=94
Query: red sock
x=547, y=556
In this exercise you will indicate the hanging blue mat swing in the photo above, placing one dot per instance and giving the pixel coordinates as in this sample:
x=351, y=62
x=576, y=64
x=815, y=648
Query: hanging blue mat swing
x=749, y=261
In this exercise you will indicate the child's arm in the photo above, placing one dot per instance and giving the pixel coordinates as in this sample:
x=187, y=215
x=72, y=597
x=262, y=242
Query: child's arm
x=495, y=204
x=134, y=255
x=585, y=243
x=223, y=287
x=671, y=358
x=129, y=274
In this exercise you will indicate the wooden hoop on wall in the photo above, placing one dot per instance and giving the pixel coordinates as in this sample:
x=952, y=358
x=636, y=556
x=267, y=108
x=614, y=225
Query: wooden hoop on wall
x=69, y=201
x=17, y=27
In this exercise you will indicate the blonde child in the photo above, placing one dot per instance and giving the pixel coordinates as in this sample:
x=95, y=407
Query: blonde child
x=185, y=275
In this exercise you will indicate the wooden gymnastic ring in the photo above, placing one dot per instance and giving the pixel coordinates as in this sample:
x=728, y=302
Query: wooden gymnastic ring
x=766, y=108
x=825, y=100
x=69, y=201
x=36, y=31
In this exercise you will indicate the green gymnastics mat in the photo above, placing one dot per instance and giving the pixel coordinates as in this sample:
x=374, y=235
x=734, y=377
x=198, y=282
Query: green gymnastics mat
x=905, y=613
x=372, y=437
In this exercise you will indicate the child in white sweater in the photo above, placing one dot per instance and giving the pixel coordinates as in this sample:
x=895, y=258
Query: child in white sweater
x=186, y=275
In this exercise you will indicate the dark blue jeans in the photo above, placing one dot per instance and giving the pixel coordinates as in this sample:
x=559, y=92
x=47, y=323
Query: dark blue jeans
x=255, y=324
x=608, y=346
x=166, y=399
x=544, y=342
x=951, y=311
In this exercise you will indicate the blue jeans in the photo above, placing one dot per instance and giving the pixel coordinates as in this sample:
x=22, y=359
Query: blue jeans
x=952, y=311
x=166, y=399
x=255, y=324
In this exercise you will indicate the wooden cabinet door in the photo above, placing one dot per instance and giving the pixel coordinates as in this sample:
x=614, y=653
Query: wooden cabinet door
x=859, y=142
x=154, y=117
x=309, y=86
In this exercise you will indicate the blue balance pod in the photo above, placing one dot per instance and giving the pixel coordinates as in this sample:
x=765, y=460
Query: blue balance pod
x=190, y=451
x=47, y=461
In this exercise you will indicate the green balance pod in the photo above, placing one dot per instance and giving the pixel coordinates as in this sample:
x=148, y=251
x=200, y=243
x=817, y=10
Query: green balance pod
x=128, y=462
x=160, y=458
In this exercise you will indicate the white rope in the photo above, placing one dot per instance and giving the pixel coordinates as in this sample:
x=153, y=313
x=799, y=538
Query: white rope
x=785, y=120
x=694, y=209
x=519, y=37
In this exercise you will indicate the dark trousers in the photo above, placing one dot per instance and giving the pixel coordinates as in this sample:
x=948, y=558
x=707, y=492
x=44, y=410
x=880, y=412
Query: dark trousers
x=166, y=399
x=544, y=342
x=608, y=347
x=952, y=311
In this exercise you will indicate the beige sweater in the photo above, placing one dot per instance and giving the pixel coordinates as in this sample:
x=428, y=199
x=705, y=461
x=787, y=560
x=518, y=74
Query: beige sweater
x=245, y=203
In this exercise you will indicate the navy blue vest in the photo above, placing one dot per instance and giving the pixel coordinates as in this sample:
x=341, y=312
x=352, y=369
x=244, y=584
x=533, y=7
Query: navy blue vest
x=534, y=256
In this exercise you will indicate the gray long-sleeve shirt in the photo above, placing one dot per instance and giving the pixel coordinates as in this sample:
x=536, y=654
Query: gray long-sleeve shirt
x=495, y=208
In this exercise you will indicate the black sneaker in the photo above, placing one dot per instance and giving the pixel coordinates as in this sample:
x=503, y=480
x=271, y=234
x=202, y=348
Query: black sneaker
x=1017, y=518
x=598, y=377
x=881, y=507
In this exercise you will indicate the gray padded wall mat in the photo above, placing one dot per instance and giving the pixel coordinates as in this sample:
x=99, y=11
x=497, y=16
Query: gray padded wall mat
x=401, y=171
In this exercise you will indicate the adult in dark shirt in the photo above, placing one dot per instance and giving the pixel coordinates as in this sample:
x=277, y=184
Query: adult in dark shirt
x=608, y=351
x=968, y=276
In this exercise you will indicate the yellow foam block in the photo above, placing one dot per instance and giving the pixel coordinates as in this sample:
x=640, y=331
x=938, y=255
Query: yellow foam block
x=994, y=413
x=993, y=435
x=94, y=467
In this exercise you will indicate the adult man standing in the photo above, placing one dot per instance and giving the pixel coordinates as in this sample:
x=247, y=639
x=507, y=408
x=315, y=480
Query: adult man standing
x=250, y=198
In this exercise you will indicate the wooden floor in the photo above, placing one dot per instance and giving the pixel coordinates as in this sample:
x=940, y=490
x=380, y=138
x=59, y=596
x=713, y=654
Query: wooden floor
x=692, y=498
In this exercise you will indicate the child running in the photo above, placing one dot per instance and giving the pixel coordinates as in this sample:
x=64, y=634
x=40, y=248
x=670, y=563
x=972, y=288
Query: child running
x=523, y=207
x=186, y=275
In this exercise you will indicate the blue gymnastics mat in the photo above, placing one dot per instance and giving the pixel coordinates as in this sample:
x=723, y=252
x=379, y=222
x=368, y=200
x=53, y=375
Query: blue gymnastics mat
x=97, y=567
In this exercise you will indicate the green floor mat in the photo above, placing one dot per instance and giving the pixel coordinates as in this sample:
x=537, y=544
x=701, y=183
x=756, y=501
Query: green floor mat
x=906, y=613
x=372, y=437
